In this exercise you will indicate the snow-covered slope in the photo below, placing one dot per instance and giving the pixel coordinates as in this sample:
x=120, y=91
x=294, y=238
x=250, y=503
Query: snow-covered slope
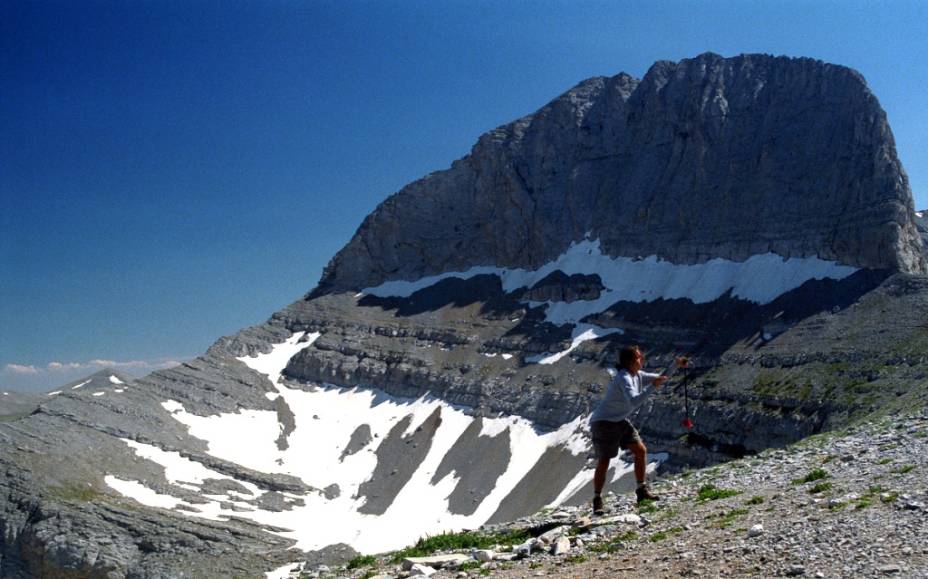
x=317, y=448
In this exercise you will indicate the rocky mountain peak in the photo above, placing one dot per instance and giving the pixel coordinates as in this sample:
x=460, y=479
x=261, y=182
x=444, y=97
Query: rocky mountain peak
x=709, y=157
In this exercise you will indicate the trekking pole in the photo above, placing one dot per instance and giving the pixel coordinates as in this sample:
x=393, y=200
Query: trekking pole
x=687, y=423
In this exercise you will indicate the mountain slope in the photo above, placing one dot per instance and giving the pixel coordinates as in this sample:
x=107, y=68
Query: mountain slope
x=749, y=212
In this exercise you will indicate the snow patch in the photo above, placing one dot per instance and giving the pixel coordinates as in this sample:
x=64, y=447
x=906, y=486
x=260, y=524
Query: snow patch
x=581, y=333
x=84, y=383
x=119, y=390
x=760, y=279
x=507, y=356
x=55, y=393
x=100, y=393
x=141, y=493
x=283, y=572
x=325, y=419
x=116, y=380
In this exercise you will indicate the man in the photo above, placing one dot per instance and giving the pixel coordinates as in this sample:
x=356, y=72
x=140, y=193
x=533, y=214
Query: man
x=611, y=428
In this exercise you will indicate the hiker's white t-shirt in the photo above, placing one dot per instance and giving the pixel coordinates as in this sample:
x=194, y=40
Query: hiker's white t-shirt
x=624, y=395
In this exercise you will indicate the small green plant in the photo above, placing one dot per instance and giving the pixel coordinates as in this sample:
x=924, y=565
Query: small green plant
x=820, y=488
x=889, y=497
x=726, y=519
x=904, y=469
x=710, y=492
x=647, y=506
x=535, y=565
x=875, y=489
x=886, y=460
x=814, y=475
x=658, y=536
x=361, y=561
x=829, y=458
x=368, y=574
x=469, y=565
x=466, y=540
x=575, y=559
x=484, y=572
x=862, y=503
x=836, y=506
x=668, y=513
x=615, y=543
x=755, y=500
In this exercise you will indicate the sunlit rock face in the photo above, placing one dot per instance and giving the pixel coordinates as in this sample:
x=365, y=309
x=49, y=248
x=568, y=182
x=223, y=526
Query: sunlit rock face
x=705, y=158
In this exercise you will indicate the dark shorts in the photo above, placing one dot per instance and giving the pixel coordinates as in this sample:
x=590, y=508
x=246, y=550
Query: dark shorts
x=608, y=437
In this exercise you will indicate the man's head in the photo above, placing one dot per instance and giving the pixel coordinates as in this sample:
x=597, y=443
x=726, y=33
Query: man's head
x=631, y=359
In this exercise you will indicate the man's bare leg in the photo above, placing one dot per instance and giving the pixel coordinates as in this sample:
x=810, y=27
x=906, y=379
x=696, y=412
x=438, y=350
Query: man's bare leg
x=599, y=477
x=640, y=452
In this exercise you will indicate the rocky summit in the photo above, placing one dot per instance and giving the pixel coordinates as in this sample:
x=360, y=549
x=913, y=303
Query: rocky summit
x=749, y=213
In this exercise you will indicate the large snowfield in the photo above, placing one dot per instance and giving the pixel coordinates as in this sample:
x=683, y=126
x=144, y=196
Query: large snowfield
x=325, y=419
x=760, y=279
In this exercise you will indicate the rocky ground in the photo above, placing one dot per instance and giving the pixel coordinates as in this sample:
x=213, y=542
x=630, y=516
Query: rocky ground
x=845, y=504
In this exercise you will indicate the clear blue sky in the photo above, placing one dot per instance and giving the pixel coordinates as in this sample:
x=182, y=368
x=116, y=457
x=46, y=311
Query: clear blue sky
x=171, y=172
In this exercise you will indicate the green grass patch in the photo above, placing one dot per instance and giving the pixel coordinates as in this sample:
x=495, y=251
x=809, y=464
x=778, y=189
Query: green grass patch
x=889, y=497
x=814, y=475
x=469, y=565
x=76, y=492
x=466, y=540
x=667, y=513
x=658, y=536
x=361, y=561
x=647, y=506
x=836, y=506
x=755, y=500
x=576, y=559
x=886, y=460
x=820, y=488
x=904, y=469
x=725, y=520
x=711, y=492
x=615, y=543
x=862, y=503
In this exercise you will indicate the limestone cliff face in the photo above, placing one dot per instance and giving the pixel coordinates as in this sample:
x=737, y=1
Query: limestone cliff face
x=708, y=157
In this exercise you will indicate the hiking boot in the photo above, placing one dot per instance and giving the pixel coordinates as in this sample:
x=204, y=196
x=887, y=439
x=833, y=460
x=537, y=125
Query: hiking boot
x=643, y=493
x=598, y=508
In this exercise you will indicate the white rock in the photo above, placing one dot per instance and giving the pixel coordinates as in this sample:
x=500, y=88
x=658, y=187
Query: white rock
x=483, y=555
x=435, y=560
x=418, y=570
x=553, y=535
x=561, y=546
x=756, y=531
